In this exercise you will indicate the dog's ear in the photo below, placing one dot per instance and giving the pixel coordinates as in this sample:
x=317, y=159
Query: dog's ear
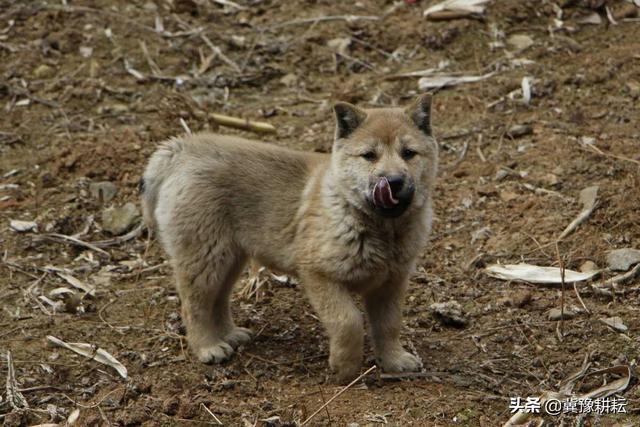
x=348, y=118
x=420, y=113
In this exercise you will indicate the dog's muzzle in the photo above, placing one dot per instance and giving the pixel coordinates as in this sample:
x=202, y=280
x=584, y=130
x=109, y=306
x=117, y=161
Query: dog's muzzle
x=391, y=196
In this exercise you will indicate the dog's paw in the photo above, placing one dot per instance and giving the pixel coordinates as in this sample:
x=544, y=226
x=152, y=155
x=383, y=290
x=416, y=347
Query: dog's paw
x=238, y=336
x=215, y=353
x=400, y=361
x=344, y=371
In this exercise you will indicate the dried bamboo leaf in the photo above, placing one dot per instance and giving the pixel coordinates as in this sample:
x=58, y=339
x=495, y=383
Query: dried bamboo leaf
x=535, y=274
x=76, y=283
x=92, y=352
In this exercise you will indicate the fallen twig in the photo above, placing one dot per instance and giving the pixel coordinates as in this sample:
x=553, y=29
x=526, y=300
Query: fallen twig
x=211, y=413
x=335, y=396
x=219, y=53
x=244, y=124
x=15, y=398
x=229, y=3
x=348, y=18
x=588, y=199
x=62, y=238
x=119, y=239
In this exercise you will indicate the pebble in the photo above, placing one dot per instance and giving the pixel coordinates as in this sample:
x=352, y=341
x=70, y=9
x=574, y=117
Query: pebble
x=104, y=190
x=622, y=259
x=449, y=314
x=117, y=220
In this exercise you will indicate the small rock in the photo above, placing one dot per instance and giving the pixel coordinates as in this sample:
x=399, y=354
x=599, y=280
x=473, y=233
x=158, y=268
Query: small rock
x=508, y=196
x=588, y=266
x=85, y=51
x=114, y=109
x=188, y=411
x=150, y=6
x=23, y=226
x=449, y=314
x=569, y=313
x=592, y=19
x=289, y=80
x=516, y=131
x=616, y=323
x=104, y=191
x=118, y=220
x=519, y=299
x=551, y=180
x=587, y=140
x=44, y=71
x=340, y=45
x=238, y=41
x=633, y=88
x=520, y=41
x=623, y=259
x=171, y=406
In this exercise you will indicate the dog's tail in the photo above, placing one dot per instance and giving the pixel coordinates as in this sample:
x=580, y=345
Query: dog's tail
x=159, y=167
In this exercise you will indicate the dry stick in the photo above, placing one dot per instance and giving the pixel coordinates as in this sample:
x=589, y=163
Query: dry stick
x=348, y=18
x=244, y=124
x=61, y=238
x=562, y=292
x=597, y=150
x=450, y=15
x=335, y=396
x=575, y=289
x=119, y=239
x=15, y=398
x=229, y=3
x=211, y=413
x=219, y=53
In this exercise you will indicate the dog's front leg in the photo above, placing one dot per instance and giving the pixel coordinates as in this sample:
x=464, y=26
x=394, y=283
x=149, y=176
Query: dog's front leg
x=342, y=321
x=384, y=309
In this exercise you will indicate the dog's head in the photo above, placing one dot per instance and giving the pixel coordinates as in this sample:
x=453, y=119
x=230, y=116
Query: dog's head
x=384, y=160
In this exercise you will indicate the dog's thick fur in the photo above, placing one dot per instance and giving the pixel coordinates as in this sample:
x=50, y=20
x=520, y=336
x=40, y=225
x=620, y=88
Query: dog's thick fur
x=218, y=200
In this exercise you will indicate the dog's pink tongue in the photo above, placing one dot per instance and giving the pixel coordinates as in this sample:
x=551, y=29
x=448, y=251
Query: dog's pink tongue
x=382, y=195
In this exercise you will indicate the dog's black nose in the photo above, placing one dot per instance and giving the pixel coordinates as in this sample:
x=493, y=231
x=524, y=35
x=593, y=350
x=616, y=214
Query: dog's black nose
x=396, y=183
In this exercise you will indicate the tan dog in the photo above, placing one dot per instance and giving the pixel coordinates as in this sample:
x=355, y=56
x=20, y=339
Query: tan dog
x=350, y=222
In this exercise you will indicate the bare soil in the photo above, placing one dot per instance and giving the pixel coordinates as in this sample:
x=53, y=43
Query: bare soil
x=72, y=114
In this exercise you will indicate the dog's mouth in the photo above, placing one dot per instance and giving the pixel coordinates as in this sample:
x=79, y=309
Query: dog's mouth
x=383, y=196
x=386, y=203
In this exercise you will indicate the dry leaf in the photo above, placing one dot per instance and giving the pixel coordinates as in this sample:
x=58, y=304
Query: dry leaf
x=535, y=274
x=76, y=283
x=440, y=81
x=92, y=352
x=470, y=6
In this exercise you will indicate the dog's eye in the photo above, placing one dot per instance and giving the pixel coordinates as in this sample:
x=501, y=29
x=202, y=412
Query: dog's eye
x=408, y=153
x=369, y=156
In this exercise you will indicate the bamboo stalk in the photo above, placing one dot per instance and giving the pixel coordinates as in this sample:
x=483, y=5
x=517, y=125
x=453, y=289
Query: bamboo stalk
x=245, y=124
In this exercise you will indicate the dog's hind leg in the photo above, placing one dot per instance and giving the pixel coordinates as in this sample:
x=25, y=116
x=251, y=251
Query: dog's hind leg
x=205, y=279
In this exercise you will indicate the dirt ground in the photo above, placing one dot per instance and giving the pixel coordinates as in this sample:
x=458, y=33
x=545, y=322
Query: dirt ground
x=88, y=88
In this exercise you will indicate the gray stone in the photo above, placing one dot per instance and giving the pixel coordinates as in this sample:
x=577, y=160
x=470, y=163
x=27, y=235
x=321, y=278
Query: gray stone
x=556, y=313
x=615, y=323
x=104, y=191
x=517, y=131
x=520, y=41
x=117, y=220
x=449, y=313
x=622, y=259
